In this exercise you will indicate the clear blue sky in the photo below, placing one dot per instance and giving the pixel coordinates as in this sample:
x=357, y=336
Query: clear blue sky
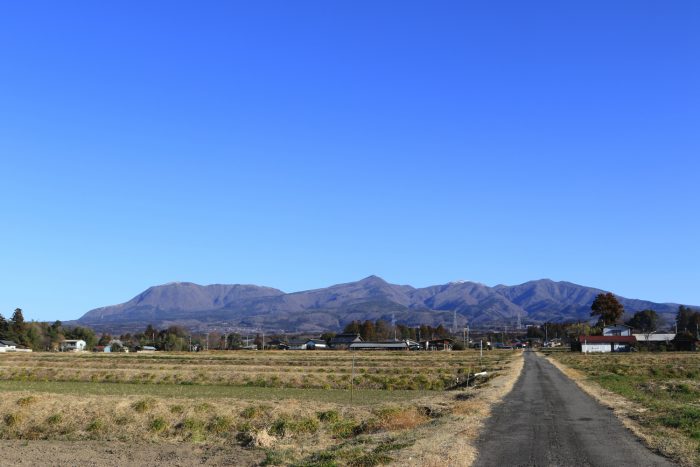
x=301, y=144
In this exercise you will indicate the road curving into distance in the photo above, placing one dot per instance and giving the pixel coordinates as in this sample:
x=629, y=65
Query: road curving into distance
x=547, y=420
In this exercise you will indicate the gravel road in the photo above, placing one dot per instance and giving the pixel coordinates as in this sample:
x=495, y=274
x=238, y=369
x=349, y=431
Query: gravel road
x=548, y=421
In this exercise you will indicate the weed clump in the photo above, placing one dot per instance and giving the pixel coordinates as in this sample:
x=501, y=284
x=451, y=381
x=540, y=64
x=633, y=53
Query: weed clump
x=26, y=401
x=157, y=425
x=143, y=405
x=54, y=419
x=12, y=419
x=219, y=425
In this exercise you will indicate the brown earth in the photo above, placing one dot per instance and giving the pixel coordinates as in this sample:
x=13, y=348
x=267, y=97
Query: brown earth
x=98, y=453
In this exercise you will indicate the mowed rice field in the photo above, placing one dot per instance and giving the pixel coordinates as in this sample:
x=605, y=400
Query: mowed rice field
x=296, y=406
x=664, y=388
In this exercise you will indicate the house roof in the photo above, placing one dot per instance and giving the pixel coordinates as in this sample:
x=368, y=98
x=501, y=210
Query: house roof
x=348, y=338
x=607, y=339
x=379, y=345
x=654, y=337
x=316, y=341
x=7, y=343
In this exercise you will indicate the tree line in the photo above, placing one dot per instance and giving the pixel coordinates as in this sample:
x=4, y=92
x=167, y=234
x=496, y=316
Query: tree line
x=41, y=336
x=383, y=330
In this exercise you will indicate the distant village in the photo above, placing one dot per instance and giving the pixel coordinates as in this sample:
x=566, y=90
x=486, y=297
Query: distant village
x=640, y=333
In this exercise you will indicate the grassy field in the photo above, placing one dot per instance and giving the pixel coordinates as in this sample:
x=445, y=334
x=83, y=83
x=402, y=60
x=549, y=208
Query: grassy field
x=297, y=406
x=665, y=387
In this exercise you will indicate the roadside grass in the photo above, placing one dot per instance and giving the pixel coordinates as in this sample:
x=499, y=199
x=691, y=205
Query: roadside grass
x=665, y=385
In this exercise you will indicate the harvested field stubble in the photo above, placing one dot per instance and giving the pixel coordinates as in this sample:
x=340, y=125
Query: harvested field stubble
x=306, y=370
x=225, y=399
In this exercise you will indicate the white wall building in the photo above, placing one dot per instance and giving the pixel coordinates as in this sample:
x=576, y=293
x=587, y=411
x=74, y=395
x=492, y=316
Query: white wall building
x=73, y=345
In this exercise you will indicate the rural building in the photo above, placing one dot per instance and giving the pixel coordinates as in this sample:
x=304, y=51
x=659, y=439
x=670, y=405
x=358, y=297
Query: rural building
x=114, y=345
x=653, y=337
x=316, y=344
x=588, y=344
x=392, y=345
x=297, y=344
x=146, y=349
x=307, y=344
x=343, y=341
x=73, y=345
x=617, y=330
x=278, y=344
x=7, y=346
x=437, y=344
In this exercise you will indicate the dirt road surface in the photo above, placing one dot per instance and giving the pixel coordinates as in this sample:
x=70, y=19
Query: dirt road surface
x=548, y=421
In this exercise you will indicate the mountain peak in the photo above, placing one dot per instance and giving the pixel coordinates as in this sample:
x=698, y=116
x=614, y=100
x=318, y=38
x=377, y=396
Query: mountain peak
x=373, y=280
x=222, y=306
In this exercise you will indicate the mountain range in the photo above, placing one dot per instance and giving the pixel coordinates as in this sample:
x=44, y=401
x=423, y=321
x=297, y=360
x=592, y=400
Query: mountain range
x=237, y=306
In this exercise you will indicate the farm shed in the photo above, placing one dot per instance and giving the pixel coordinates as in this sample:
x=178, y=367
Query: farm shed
x=393, y=345
x=589, y=344
x=297, y=344
x=343, y=341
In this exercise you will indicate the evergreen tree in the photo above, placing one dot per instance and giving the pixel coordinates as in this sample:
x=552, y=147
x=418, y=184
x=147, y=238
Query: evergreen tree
x=646, y=321
x=18, y=328
x=4, y=327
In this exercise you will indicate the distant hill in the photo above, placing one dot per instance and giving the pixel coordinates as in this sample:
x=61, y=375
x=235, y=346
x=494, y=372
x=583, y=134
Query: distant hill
x=238, y=306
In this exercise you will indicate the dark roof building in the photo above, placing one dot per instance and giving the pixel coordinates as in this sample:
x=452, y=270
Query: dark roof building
x=343, y=341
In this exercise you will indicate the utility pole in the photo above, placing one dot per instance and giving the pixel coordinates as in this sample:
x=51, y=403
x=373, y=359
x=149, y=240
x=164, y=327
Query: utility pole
x=352, y=378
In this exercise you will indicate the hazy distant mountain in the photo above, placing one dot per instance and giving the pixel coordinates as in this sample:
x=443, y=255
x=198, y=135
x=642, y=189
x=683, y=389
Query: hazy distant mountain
x=251, y=307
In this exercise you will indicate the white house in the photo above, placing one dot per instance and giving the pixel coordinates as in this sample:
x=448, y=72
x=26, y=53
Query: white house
x=605, y=343
x=7, y=346
x=73, y=345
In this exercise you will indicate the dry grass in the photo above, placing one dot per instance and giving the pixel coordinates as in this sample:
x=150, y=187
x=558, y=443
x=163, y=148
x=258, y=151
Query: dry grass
x=302, y=428
x=644, y=392
x=453, y=441
x=319, y=370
